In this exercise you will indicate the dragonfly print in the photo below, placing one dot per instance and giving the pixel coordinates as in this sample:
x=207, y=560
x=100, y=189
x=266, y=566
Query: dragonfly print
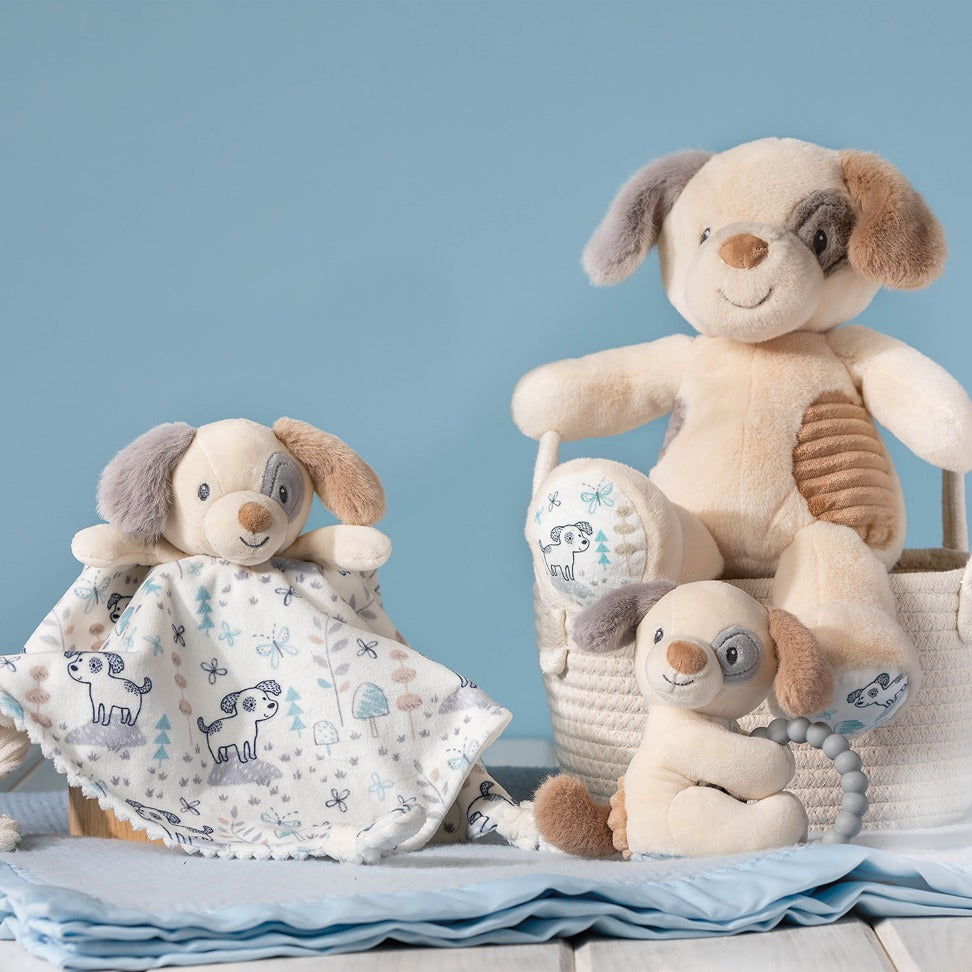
x=283, y=827
x=276, y=646
x=92, y=594
x=597, y=496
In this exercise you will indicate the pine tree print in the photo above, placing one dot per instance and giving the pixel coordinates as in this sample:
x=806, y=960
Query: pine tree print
x=601, y=541
x=162, y=739
x=204, y=610
x=295, y=711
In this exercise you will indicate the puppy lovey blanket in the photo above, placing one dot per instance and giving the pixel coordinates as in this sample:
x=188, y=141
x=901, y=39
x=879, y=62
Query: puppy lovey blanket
x=252, y=712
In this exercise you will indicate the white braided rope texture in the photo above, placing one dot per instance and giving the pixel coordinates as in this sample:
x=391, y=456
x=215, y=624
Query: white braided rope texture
x=920, y=767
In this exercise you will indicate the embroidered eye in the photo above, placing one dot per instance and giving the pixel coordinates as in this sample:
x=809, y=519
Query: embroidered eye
x=659, y=634
x=819, y=242
x=284, y=482
x=705, y=234
x=203, y=491
x=739, y=654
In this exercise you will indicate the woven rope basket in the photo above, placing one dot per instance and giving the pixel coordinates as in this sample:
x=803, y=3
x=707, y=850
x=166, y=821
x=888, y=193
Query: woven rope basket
x=920, y=766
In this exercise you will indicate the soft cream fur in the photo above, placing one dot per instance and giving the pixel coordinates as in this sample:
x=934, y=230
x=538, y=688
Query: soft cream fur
x=666, y=802
x=743, y=386
x=236, y=520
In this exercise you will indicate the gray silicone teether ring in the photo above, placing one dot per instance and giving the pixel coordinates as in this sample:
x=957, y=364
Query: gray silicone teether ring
x=834, y=745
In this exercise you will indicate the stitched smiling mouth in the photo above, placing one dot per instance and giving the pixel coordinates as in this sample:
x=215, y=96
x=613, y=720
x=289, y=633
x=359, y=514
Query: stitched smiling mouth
x=256, y=545
x=762, y=299
x=675, y=681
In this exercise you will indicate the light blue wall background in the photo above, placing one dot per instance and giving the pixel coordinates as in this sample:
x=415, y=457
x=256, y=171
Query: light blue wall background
x=369, y=216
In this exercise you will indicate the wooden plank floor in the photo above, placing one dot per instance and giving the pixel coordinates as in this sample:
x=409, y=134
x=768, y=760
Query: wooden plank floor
x=902, y=944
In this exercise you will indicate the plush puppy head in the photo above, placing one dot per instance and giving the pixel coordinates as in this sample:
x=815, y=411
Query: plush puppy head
x=234, y=489
x=770, y=237
x=709, y=647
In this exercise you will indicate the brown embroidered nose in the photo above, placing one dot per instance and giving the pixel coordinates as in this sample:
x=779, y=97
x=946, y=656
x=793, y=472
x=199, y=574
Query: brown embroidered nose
x=744, y=251
x=685, y=657
x=254, y=517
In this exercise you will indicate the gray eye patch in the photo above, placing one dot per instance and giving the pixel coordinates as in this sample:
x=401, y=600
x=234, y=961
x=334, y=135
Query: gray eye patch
x=739, y=654
x=831, y=214
x=282, y=481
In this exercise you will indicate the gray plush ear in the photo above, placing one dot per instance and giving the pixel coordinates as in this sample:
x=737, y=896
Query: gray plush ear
x=610, y=622
x=632, y=224
x=136, y=486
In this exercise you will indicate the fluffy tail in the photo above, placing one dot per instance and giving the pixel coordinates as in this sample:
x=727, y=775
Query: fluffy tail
x=569, y=819
x=146, y=686
x=203, y=728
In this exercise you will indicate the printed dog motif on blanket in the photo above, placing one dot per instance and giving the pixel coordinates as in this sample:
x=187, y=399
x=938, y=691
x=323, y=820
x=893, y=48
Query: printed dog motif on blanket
x=107, y=689
x=250, y=712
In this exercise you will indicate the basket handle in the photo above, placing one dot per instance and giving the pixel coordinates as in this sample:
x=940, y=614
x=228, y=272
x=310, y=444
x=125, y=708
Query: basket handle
x=955, y=531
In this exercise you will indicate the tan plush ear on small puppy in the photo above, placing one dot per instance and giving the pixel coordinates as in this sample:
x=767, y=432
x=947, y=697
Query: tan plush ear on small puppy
x=632, y=224
x=897, y=240
x=345, y=483
x=804, y=682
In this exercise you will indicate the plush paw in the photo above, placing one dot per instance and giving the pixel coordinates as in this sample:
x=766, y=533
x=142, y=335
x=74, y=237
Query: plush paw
x=100, y=546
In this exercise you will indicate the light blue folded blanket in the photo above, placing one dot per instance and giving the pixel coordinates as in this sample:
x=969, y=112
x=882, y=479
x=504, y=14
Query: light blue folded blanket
x=88, y=904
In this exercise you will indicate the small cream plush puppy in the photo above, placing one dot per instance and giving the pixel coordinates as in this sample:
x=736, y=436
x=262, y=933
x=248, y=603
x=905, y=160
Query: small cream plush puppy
x=705, y=654
x=239, y=491
x=772, y=464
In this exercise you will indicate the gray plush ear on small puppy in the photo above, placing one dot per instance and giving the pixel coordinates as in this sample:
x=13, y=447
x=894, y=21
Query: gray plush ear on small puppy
x=136, y=486
x=632, y=224
x=610, y=622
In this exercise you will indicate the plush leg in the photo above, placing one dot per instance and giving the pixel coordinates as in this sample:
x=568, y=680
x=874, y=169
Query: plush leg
x=835, y=585
x=595, y=525
x=704, y=821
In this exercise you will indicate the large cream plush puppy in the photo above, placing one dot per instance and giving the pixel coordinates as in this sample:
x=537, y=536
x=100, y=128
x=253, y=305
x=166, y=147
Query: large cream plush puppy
x=705, y=654
x=239, y=491
x=772, y=463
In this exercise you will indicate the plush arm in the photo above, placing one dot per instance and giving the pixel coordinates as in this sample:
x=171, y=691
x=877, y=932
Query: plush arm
x=604, y=393
x=343, y=546
x=104, y=546
x=914, y=398
x=748, y=767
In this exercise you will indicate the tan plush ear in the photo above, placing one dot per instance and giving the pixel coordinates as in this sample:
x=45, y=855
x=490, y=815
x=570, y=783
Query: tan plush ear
x=632, y=224
x=897, y=241
x=804, y=682
x=610, y=622
x=345, y=483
